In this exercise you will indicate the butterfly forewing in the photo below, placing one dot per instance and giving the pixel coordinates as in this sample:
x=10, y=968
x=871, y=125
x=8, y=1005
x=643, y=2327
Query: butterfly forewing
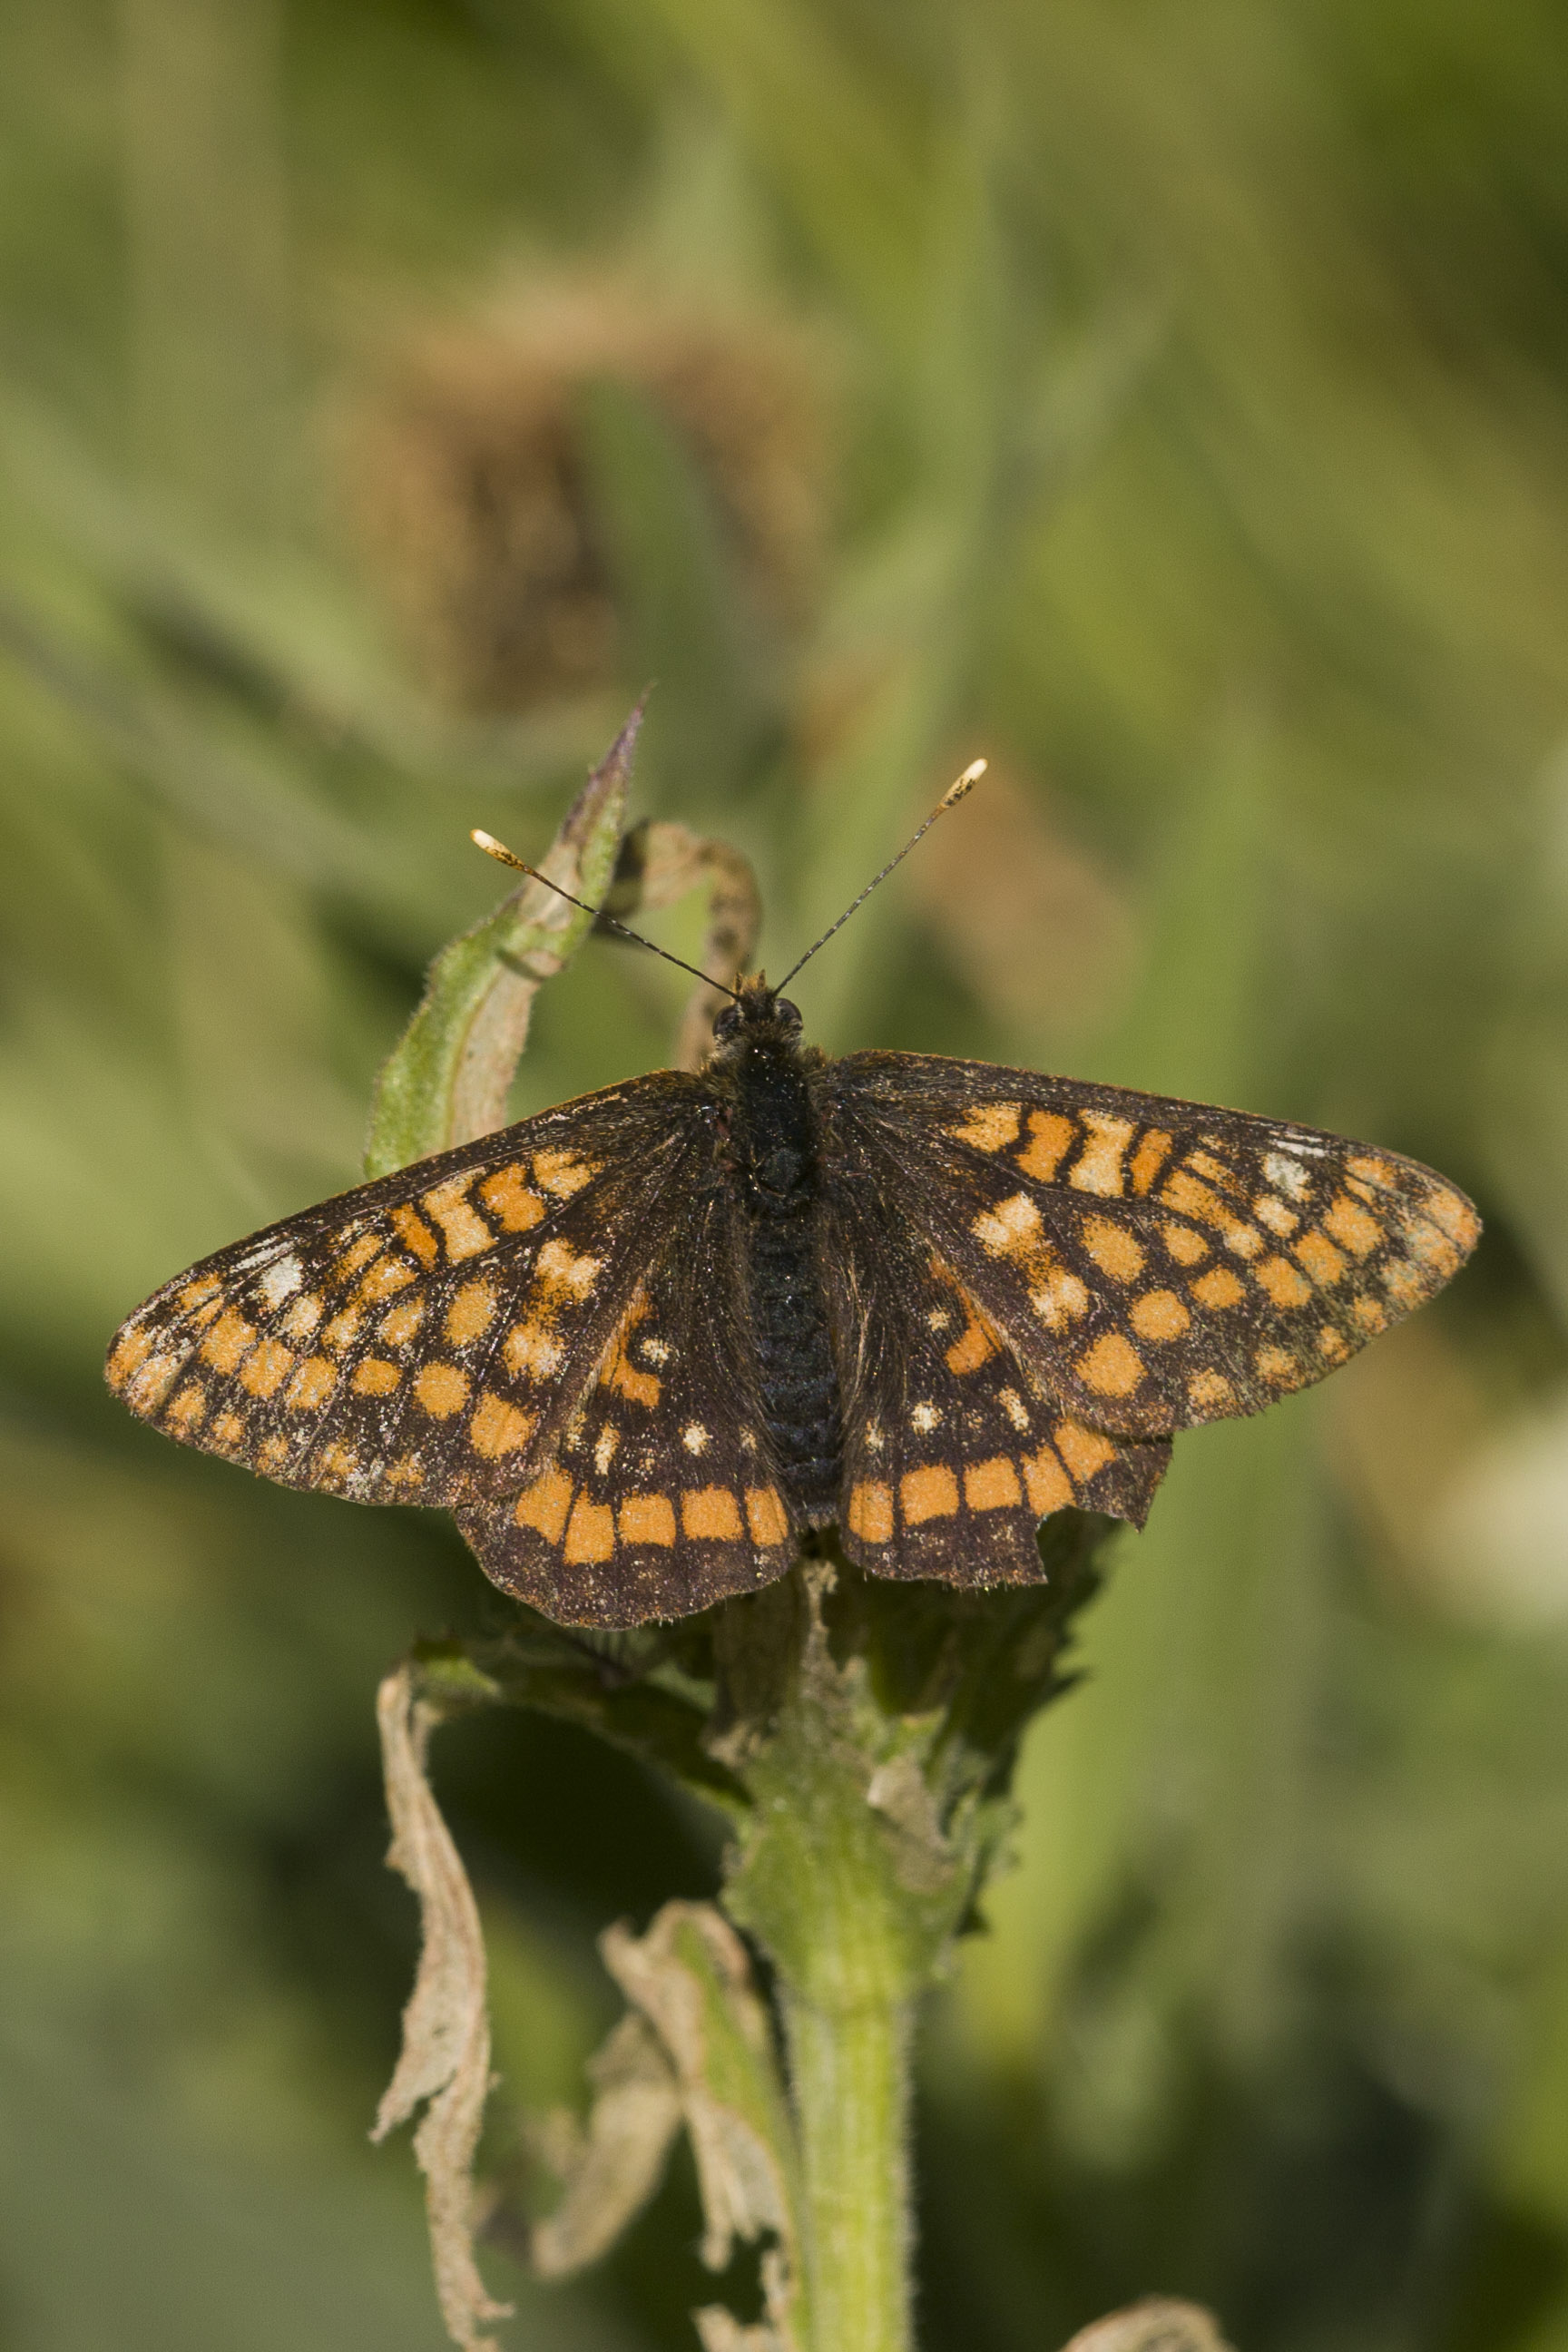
x=661, y=1497
x=1156, y=1263
x=423, y=1339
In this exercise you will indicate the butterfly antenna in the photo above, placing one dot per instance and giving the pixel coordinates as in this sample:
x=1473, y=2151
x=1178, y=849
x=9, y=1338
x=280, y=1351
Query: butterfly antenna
x=504, y=856
x=950, y=798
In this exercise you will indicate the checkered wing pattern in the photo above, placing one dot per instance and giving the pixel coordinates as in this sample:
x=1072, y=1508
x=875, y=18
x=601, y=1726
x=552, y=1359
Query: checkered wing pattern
x=1152, y=1263
x=954, y=1448
x=425, y=1339
x=661, y=1497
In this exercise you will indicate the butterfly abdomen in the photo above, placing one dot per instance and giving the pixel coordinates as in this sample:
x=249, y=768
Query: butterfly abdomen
x=775, y=1168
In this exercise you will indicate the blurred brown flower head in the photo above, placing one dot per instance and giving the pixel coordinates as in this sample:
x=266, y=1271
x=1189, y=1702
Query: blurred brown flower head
x=472, y=483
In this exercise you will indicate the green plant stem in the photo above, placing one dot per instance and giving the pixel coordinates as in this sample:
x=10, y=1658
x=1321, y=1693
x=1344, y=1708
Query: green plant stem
x=849, y=2075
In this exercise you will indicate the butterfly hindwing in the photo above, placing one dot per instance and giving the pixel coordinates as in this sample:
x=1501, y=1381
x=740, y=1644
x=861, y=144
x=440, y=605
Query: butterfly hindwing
x=954, y=1451
x=1157, y=1264
x=421, y=1339
x=660, y=1497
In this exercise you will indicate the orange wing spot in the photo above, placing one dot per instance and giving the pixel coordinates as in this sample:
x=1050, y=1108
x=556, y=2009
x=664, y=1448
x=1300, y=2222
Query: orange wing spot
x=1222, y=1288
x=442, y=1389
x=929, y=1494
x=560, y=1269
x=989, y=1127
x=302, y=1316
x=386, y=1278
x=1051, y=1137
x=407, y=1474
x=400, y=1323
x=1182, y=1192
x=339, y=1461
x=617, y=1372
x=196, y=1293
x=312, y=1385
x=1333, y=1344
x=374, y=1377
x=1455, y=1214
x=472, y=1313
x=1430, y=1247
x=1404, y=1286
x=367, y=1246
x=1371, y=1170
x=1112, y=1367
x=1242, y=1240
x=131, y=1351
x=1322, y=1260
x=871, y=1512
x=648, y=1519
x=1158, y=1314
x=227, y=1340
x=562, y=1173
x=228, y=1429
x=499, y=1428
x=344, y=1329
x=533, y=1348
x=1046, y=1483
x=1203, y=1163
x=1085, y=1451
x=1155, y=1148
x=544, y=1504
x=1269, y=1210
x=993, y=1486
x=1009, y=1230
x=1351, y=1227
x=711, y=1514
x=590, y=1534
x=1185, y=1246
x=415, y=1234
x=188, y=1410
x=1114, y=1250
x=463, y=1229
x=974, y=1348
x=1060, y=1300
x=1279, y=1278
x=1210, y=1391
x=1277, y=1364
x=512, y=1203
x=1369, y=1313
x=765, y=1516
x=272, y=1456
x=267, y=1368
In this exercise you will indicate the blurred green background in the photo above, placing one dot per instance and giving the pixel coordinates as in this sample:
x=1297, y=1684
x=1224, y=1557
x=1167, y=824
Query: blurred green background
x=1168, y=400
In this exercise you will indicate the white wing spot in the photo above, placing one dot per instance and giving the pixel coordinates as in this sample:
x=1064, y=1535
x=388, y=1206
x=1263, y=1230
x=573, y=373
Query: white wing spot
x=1013, y=1406
x=654, y=1351
x=694, y=1437
x=939, y=1318
x=924, y=1418
x=605, y=1449
x=282, y=1281
x=1287, y=1174
x=1008, y=1229
x=874, y=1441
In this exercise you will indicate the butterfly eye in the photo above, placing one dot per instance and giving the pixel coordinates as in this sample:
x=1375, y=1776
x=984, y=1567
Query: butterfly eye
x=788, y=1013
x=728, y=1022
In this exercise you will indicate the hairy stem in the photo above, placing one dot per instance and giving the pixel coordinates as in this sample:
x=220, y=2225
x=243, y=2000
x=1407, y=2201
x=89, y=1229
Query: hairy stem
x=849, y=2075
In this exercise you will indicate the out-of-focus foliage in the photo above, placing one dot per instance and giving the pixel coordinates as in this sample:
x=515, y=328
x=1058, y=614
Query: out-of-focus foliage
x=1169, y=401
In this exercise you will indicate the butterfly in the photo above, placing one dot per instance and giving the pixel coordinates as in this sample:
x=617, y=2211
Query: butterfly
x=641, y=1343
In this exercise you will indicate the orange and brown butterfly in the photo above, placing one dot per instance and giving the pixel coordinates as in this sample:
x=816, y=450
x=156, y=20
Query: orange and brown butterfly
x=640, y=1343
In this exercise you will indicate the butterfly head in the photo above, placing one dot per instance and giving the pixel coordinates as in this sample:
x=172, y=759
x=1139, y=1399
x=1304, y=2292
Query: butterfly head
x=759, y=1016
